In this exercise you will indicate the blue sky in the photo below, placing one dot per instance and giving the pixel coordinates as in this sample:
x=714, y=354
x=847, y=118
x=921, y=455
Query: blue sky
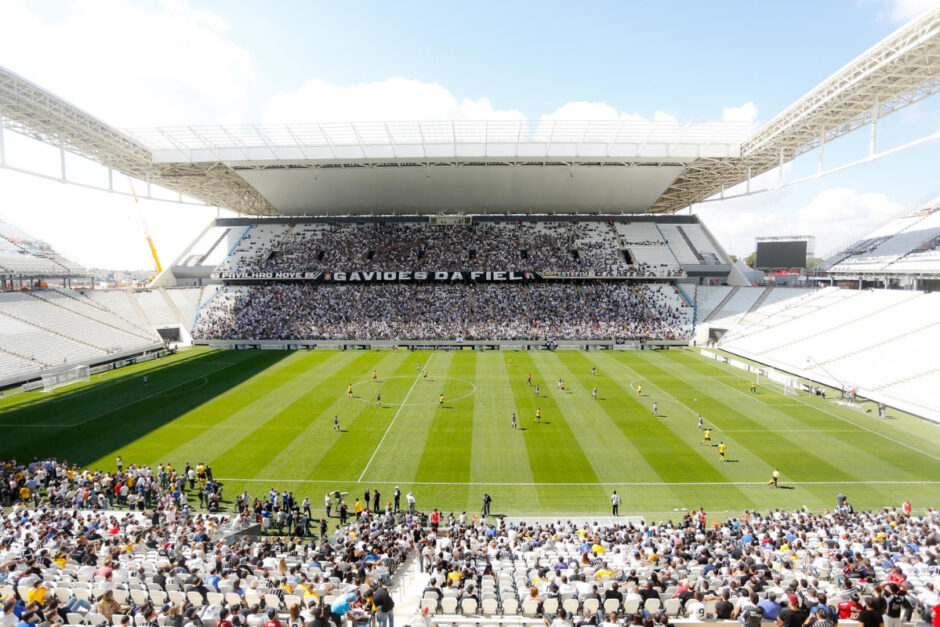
x=191, y=62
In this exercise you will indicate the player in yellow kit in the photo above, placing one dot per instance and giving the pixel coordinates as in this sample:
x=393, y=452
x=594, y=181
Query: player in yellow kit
x=774, y=478
x=708, y=437
x=538, y=415
x=441, y=403
x=722, y=447
x=375, y=376
x=349, y=390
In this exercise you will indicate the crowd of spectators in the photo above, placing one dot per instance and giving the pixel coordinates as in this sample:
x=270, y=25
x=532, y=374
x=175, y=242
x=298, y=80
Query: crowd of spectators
x=103, y=561
x=532, y=311
x=412, y=246
x=63, y=564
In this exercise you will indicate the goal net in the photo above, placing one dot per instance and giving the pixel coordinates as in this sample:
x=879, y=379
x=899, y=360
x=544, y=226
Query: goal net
x=782, y=383
x=73, y=375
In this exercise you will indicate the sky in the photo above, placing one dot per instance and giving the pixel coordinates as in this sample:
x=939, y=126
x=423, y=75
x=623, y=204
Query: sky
x=174, y=62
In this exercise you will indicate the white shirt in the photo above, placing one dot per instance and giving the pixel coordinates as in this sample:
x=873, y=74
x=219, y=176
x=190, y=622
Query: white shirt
x=696, y=610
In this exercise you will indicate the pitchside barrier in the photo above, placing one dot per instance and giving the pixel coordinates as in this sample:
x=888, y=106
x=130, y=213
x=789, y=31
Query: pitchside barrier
x=581, y=345
x=783, y=382
x=70, y=376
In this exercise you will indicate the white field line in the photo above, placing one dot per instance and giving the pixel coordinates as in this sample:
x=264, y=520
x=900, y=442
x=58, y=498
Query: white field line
x=714, y=426
x=604, y=483
x=404, y=402
x=792, y=431
x=204, y=378
x=825, y=411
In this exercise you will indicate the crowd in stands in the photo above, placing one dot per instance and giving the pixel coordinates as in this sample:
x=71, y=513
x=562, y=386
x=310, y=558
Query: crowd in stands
x=94, y=565
x=82, y=562
x=556, y=310
x=403, y=246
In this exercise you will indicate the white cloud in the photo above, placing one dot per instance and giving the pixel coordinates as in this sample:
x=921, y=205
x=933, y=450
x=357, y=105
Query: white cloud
x=905, y=10
x=583, y=110
x=397, y=98
x=835, y=216
x=131, y=64
x=126, y=64
x=745, y=113
x=400, y=98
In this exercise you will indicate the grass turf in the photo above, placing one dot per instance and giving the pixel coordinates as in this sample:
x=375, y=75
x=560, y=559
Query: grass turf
x=264, y=419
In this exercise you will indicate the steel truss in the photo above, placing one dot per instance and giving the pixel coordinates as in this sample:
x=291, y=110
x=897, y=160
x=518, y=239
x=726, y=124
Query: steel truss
x=902, y=69
x=899, y=71
x=36, y=113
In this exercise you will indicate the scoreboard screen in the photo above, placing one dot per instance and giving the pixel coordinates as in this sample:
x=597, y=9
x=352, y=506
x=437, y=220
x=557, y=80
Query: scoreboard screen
x=773, y=255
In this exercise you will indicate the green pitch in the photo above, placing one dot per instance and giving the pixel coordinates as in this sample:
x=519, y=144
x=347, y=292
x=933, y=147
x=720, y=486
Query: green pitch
x=264, y=419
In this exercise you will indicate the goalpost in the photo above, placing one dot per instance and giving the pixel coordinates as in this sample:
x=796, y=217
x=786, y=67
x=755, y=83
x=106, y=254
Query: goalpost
x=785, y=384
x=73, y=375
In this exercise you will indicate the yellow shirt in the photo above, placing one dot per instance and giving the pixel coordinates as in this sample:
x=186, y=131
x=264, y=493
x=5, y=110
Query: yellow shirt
x=721, y=449
x=24, y=493
x=708, y=434
x=36, y=595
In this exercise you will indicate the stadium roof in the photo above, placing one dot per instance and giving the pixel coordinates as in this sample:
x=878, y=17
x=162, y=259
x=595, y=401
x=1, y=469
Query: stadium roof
x=628, y=165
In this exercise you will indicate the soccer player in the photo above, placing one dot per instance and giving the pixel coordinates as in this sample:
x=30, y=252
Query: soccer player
x=700, y=421
x=335, y=423
x=562, y=386
x=514, y=423
x=349, y=390
x=538, y=415
x=441, y=401
x=536, y=389
x=615, y=503
x=378, y=399
x=708, y=437
x=722, y=447
x=510, y=362
x=639, y=390
x=655, y=408
x=559, y=384
x=594, y=372
x=419, y=366
x=774, y=478
x=375, y=376
x=425, y=376
x=754, y=387
x=146, y=381
x=594, y=392
x=530, y=378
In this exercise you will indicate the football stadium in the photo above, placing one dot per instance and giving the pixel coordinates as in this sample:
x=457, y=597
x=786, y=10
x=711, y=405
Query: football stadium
x=475, y=372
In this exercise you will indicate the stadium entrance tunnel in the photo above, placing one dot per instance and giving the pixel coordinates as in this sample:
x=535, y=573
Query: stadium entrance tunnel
x=83, y=425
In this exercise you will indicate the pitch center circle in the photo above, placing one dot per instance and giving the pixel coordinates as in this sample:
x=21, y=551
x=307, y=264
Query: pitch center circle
x=366, y=384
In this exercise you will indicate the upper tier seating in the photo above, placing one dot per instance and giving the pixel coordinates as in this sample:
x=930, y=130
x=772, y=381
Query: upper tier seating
x=542, y=246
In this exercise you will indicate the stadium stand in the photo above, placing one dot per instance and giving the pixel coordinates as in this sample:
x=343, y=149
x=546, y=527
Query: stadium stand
x=48, y=328
x=906, y=245
x=107, y=557
x=23, y=255
x=559, y=310
x=851, y=339
x=403, y=245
